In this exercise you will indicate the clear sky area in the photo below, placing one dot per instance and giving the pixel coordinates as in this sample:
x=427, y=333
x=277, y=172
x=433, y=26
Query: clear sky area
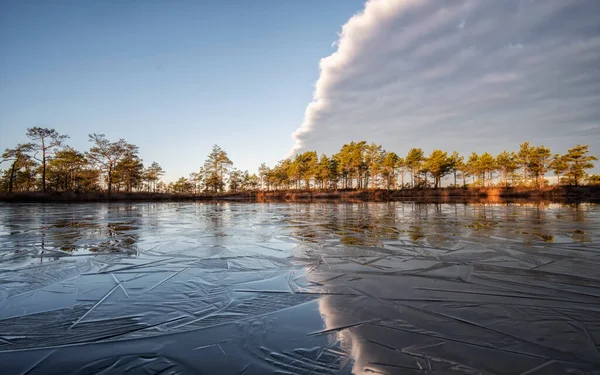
x=176, y=77
x=171, y=77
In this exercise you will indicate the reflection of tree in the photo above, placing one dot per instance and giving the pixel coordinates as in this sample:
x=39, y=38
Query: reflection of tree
x=215, y=222
x=65, y=234
x=580, y=233
x=71, y=236
x=37, y=231
x=416, y=233
x=120, y=239
x=524, y=222
x=363, y=224
x=111, y=229
x=374, y=224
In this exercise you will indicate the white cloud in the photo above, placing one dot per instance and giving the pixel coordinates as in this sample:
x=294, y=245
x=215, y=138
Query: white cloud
x=464, y=75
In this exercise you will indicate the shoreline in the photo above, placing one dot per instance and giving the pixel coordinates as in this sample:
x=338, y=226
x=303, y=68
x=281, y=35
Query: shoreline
x=561, y=194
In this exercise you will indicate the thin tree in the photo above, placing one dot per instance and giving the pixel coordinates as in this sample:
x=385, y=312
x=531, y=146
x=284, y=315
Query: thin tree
x=401, y=166
x=107, y=154
x=322, y=172
x=65, y=168
x=456, y=162
x=559, y=165
x=17, y=155
x=524, y=158
x=579, y=160
x=153, y=174
x=439, y=165
x=473, y=167
x=264, y=172
x=373, y=160
x=388, y=167
x=414, y=161
x=129, y=171
x=539, y=161
x=216, y=166
x=506, y=163
x=487, y=166
x=44, y=141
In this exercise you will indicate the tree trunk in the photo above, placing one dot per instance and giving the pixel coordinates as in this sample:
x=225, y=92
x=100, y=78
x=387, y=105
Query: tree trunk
x=28, y=172
x=109, y=178
x=12, y=176
x=43, y=168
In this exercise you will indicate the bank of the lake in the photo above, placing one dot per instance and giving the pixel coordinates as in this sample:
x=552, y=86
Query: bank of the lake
x=557, y=193
x=560, y=193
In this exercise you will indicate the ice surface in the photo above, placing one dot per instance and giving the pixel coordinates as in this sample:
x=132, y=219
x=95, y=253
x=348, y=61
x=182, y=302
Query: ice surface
x=322, y=288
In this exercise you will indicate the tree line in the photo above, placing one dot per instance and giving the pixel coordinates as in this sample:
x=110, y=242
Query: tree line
x=361, y=165
x=47, y=163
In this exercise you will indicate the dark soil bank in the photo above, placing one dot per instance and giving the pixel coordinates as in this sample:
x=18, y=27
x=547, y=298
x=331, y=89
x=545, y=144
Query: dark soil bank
x=559, y=194
x=492, y=195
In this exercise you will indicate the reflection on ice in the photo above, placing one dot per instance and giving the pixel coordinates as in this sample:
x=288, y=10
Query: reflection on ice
x=391, y=288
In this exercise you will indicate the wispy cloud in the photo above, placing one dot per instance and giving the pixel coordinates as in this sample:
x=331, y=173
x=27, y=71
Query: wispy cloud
x=465, y=75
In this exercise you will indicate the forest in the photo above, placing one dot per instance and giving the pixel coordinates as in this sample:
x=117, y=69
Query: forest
x=46, y=163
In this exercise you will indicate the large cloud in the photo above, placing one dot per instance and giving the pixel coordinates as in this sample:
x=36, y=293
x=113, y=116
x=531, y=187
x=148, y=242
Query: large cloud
x=460, y=75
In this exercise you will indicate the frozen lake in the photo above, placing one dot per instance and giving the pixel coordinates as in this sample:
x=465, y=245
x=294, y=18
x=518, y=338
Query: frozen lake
x=319, y=288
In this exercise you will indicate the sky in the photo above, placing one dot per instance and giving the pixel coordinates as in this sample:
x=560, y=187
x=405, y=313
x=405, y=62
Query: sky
x=461, y=75
x=266, y=79
x=173, y=77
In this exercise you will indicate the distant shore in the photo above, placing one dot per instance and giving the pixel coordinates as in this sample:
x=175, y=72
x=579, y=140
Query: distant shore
x=568, y=194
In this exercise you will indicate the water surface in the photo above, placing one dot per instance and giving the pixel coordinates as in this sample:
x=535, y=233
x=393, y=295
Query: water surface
x=320, y=288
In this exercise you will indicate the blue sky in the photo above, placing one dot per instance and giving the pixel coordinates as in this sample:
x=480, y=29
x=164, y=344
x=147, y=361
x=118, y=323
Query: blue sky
x=176, y=77
x=172, y=77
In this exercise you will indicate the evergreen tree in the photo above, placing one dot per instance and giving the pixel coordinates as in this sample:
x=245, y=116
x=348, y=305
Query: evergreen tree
x=107, y=155
x=19, y=158
x=578, y=161
x=439, y=165
x=216, y=166
x=414, y=161
x=44, y=141
x=507, y=164
x=559, y=165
